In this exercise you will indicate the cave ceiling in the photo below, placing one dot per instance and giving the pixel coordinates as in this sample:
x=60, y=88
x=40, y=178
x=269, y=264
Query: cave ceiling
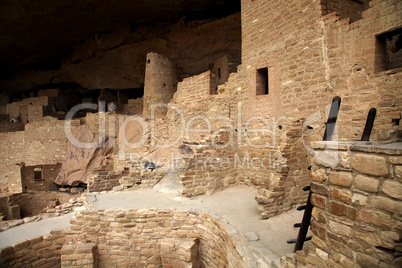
x=34, y=34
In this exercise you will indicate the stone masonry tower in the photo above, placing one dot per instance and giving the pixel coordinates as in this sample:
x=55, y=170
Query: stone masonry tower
x=161, y=80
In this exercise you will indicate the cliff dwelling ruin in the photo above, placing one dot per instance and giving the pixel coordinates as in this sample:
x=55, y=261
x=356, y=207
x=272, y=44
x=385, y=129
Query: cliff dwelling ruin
x=252, y=133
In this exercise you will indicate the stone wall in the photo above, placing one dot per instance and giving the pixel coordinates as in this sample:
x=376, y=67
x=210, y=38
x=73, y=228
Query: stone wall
x=210, y=132
x=161, y=78
x=133, y=107
x=356, y=73
x=357, y=193
x=79, y=256
x=310, y=59
x=39, y=177
x=28, y=110
x=281, y=38
x=210, y=169
x=145, y=230
x=9, y=210
x=42, y=251
x=46, y=142
x=42, y=143
x=7, y=125
x=130, y=238
x=36, y=202
x=345, y=8
x=12, y=143
x=102, y=180
x=176, y=253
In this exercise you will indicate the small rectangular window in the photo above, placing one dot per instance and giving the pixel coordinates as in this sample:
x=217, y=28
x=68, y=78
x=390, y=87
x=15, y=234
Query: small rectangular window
x=262, y=81
x=38, y=174
x=386, y=58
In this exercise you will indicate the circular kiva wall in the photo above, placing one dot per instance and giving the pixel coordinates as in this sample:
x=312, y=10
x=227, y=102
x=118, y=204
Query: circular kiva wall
x=131, y=238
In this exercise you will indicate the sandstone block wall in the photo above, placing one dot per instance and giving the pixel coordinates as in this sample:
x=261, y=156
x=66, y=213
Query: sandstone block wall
x=34, y=203
x=13, y=110
x=357, y=75
x=180, y=253
x=79, y=256
x=30, y=108
x=161, y=78
x=133, y=107
x=39, y=177
x=102, y=180
x=222, y=69
x=3, y=205
x=357, y=214
x=42, y=251
x=10, y=126
x=9, y=210
x=46, y=142
x=135, y=238
x=212, y=120
x=42, y=143
x=12, y=143
x=281, y=38
x=35, y=113
x=310, y=60
x=209, y=169
x=345, y=8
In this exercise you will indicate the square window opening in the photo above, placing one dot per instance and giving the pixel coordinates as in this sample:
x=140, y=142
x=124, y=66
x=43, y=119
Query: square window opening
x=38, y=174
x=385, y=57
x=262, y=81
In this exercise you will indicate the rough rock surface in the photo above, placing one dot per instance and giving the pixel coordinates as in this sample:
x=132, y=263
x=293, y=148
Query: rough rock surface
x=36, y=32
x=117, y=60
x=80, y=162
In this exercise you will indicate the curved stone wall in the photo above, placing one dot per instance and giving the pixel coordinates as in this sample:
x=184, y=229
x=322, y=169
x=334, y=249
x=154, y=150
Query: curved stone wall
x=131, y=238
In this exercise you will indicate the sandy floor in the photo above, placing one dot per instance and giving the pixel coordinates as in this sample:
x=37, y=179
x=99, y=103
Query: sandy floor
x=236, y=205
x=33, y=229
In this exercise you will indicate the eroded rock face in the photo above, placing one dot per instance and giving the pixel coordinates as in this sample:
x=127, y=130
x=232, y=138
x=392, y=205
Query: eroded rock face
x=117, y=60
x=35, y=32
x=80, y=162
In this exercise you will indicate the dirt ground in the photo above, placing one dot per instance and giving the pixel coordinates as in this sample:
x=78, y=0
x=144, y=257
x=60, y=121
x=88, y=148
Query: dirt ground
x=236, y=205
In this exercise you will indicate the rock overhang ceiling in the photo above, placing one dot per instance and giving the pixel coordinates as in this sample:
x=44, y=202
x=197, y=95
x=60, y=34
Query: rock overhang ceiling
x=37, y=34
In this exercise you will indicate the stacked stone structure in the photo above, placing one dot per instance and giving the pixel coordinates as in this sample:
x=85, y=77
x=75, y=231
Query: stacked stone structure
x=257, y=126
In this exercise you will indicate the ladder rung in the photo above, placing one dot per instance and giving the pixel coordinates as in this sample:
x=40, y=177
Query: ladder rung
x=306, y=188
x=291, y=241
x=301, y=207
x=297, y=225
